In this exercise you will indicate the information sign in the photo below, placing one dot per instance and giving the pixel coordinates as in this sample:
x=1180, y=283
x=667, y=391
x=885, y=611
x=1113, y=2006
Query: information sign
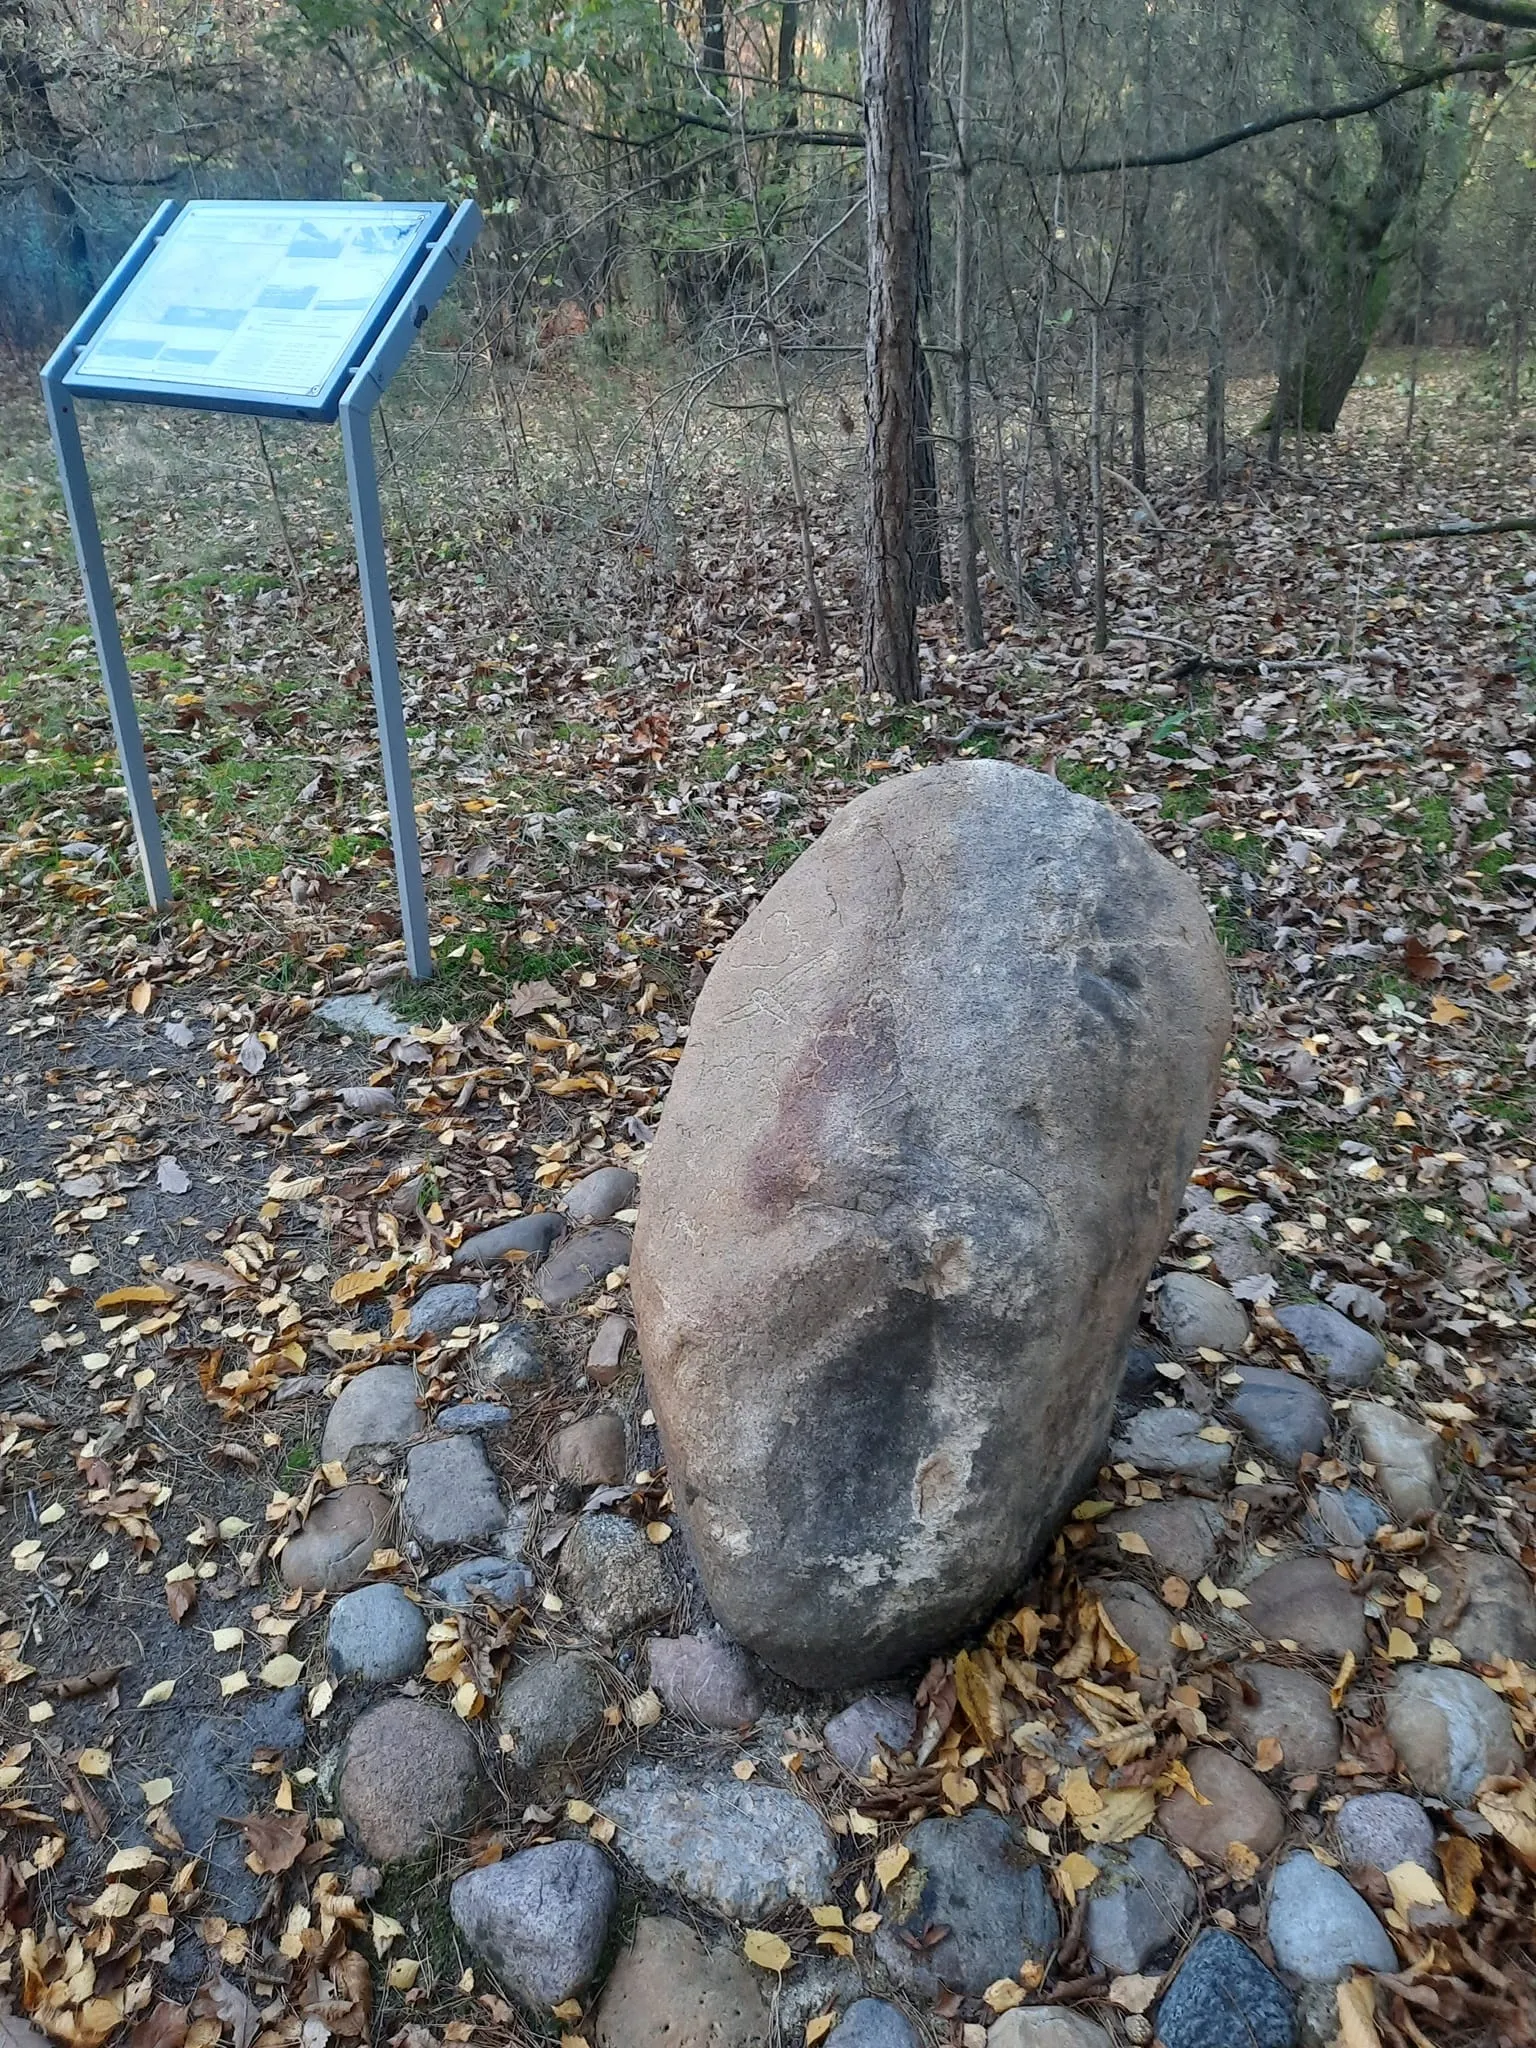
x=287, y=308
x=254, y=306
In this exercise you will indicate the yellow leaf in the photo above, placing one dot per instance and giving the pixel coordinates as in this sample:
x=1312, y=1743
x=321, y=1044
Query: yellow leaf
x=228, y=1638
x=744, y=1768
x=1127, y=1811
x=567, y=2009
x=115, y=1901
x=369, y=1280
x=959, y=1790
x=1133, y=1544
x=1357, y=2014
x=766, y=1950
x=819, y=2028
x=386, y=1932
x=157, y=1695
x=1400, y=1646
x=403, y=1973
x=1176, y=1778
x=979, y=1689
x=1075, y=1873
x=1341, y=1681
x=890, y=1863
x=659, y=1532
x=1082, y=1800
x=1443, y=1011
x=827, y=1916
x=840, y=1944
x=1241, y=1860
x=93, y=1763
x=1003, y=1995
x=645, y=1709
x=1461, y=1864
x=157, y=1790
x=140, y=997
x=1513, y=1813
x=233, y=1682
x=134, y=1297
x=1412, y=1886
x=283, y=1671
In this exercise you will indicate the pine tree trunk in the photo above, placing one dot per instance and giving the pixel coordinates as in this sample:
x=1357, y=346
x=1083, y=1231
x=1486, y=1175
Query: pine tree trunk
x=900, y=534
x=967, y=574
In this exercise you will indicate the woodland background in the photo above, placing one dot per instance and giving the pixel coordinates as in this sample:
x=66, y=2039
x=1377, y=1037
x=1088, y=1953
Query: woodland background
x=1098, y=219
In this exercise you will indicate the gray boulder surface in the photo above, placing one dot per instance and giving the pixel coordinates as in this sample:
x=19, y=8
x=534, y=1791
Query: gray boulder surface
x=539, y=1918
x=1349, y=1355
x=939, y=1102
x=376, y=1634
x=1320, y=1927
x=976, y=1878
x=742, y=1851
x=376, y=1411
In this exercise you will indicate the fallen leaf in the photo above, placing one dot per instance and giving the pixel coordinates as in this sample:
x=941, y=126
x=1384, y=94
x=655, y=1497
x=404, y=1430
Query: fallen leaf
x=1341, y=1681
x=164, y=2027
x=140, y=996
x=1075, y=1873
x=1411, y=1885
x=1443, y=1011
x=134, y=1297
x=218, y=1999
x=890, y=1863
x=281, y=1672
x=1461, y=1864
x=172, y=1176
x=157, y=1695
x=1126, y=1811
x=1510, y=1806
x=1003, y=1995
x=767, y=1951
x=1357, y=2014
x=368, y=1280
x=275, y=1841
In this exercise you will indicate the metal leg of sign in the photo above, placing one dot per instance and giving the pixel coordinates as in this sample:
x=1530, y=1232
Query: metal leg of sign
x=81, y=508
x=378, y=615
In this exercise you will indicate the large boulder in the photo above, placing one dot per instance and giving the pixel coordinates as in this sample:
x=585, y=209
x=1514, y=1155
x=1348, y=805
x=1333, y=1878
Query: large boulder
x=940, y=1098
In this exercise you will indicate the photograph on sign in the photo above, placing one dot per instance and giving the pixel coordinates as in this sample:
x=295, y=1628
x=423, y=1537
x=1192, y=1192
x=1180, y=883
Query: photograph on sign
x=257, y=300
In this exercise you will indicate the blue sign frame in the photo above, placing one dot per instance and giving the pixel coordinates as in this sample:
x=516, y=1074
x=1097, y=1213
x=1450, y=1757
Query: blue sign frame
x=377, y=347
x=420, y=224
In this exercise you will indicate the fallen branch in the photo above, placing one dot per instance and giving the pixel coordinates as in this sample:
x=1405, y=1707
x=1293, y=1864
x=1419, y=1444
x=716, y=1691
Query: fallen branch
x=1457, y=529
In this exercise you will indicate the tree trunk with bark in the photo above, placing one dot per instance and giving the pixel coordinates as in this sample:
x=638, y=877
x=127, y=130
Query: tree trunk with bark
x=901, y=521
x=967, y=566
x=1344, y=277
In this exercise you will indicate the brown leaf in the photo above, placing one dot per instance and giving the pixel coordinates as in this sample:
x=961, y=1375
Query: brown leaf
x=212, y=1273
x=1461, y=1864
x=218, y=1999
x=80, y=1685
x=165, y=2027
x=1421, y=963
x=276, y=1841
x=180, y=1598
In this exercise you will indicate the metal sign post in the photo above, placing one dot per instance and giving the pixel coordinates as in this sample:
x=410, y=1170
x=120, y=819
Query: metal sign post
x=289, y=310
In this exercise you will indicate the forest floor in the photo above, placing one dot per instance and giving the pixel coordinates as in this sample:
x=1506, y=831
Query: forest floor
x=614, y=758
